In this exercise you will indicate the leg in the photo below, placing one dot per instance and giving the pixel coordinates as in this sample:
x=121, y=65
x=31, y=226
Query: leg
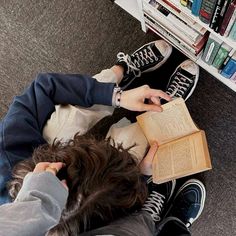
x=66, y=121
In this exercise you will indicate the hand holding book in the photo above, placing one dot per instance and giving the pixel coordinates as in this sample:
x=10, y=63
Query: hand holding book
x=182, y=146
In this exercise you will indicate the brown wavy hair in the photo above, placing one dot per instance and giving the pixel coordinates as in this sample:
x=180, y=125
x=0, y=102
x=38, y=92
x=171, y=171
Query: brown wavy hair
x=104, y=182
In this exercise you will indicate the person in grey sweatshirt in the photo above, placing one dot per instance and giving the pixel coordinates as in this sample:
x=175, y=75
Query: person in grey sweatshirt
x=38, y=205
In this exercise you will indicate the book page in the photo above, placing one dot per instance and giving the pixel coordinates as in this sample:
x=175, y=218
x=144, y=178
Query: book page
x=182, y=157
x=170, y=124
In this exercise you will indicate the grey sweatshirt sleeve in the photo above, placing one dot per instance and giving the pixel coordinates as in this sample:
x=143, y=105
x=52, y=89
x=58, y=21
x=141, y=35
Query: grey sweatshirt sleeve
x=37, y=208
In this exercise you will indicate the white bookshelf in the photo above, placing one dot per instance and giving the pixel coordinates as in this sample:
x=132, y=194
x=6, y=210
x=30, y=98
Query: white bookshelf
x=131, y=6
x=136, y=8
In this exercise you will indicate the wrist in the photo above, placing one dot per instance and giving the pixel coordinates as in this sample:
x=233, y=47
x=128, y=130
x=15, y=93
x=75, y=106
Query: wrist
x=116, y=97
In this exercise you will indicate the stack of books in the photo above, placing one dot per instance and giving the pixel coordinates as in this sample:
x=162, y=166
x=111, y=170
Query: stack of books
x=179, y=29
x=221, y=56
x=219, y=15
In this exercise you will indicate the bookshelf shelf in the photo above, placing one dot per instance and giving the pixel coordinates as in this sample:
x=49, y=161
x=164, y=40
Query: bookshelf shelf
x=187, y=12
x=215, y=73
x=143, y=11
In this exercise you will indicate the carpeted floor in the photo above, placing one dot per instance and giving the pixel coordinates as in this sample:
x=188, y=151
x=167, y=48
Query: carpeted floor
x=85, y=36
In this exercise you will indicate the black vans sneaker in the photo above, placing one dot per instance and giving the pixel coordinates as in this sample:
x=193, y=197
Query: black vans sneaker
x=147, y=58
x=159, y=197
x=188, y=202
x=184, y=80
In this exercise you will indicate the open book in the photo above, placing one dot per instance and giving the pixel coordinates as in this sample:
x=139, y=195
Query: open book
x=182, y=146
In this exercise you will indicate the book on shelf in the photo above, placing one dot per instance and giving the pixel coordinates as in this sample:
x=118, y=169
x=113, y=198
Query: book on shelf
x=230, y=68
x=216, y=14
x=183, y=146
x=226, y=19
x=229, y=56
x=212, y=46
x=232, y=33
x=176, y=26
x=182, y=15
x=222, y=15
x=184, y=2
x=196, y=7
x=206, y=10
x=159, y=29
x=190, y=4
x=221, y=55
x=230, y=24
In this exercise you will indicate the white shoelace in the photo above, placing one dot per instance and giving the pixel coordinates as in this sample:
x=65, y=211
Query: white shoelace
x=154, y=205
x=179, y=85
x=131, y=66
x=145, y=56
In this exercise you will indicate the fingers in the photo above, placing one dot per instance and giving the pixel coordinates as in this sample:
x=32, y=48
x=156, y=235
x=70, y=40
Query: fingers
x=52, y=167
x=146, y=164
x=159, y=93
x=151, y=107
x=151, y=152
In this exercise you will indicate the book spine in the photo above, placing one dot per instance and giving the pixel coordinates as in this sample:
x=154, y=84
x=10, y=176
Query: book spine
x=196, y=7
x=189, y=32
x=221, y=55
x=183, y=16
x=230, y=24
x=161, y=18
x=232, y=33
x=206, y=10
x=229, y=69
x=216, y=14
x=190, y=4
x=169, y=36
x=211, y=49
x=222, y=14
x=184, y=2
x=231, y=53
x=228, y=14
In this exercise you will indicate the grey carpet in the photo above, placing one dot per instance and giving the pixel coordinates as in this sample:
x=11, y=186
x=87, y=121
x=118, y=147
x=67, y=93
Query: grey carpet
x=84, y=36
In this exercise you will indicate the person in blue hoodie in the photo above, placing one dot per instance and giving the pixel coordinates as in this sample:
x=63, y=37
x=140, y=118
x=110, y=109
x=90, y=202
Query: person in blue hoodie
x=21, y=129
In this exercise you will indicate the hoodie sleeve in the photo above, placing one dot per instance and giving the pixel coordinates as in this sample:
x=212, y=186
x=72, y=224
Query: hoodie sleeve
x=21, y=129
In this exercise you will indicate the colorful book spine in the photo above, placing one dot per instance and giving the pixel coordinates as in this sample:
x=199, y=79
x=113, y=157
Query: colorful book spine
x=231, y=53
x=216, y=14
x=190, y=4
x=221, y=55
x=228, y=14
x=232, y=33
x=206, y=10
x=222, y=15
x=230, y=68
x=212, y=46
x=231, y=22
x=196, y=7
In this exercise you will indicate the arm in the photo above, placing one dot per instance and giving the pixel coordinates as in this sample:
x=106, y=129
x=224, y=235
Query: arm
x=37, y=208
x=21, y=129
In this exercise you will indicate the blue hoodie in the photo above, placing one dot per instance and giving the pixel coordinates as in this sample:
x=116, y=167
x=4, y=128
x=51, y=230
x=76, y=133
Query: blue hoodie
x=21, y=129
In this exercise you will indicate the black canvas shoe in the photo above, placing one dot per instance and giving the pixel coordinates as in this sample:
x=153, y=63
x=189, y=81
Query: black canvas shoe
x=147, y=58
x=188, y=202
x=184, y=80
x=159, y=197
